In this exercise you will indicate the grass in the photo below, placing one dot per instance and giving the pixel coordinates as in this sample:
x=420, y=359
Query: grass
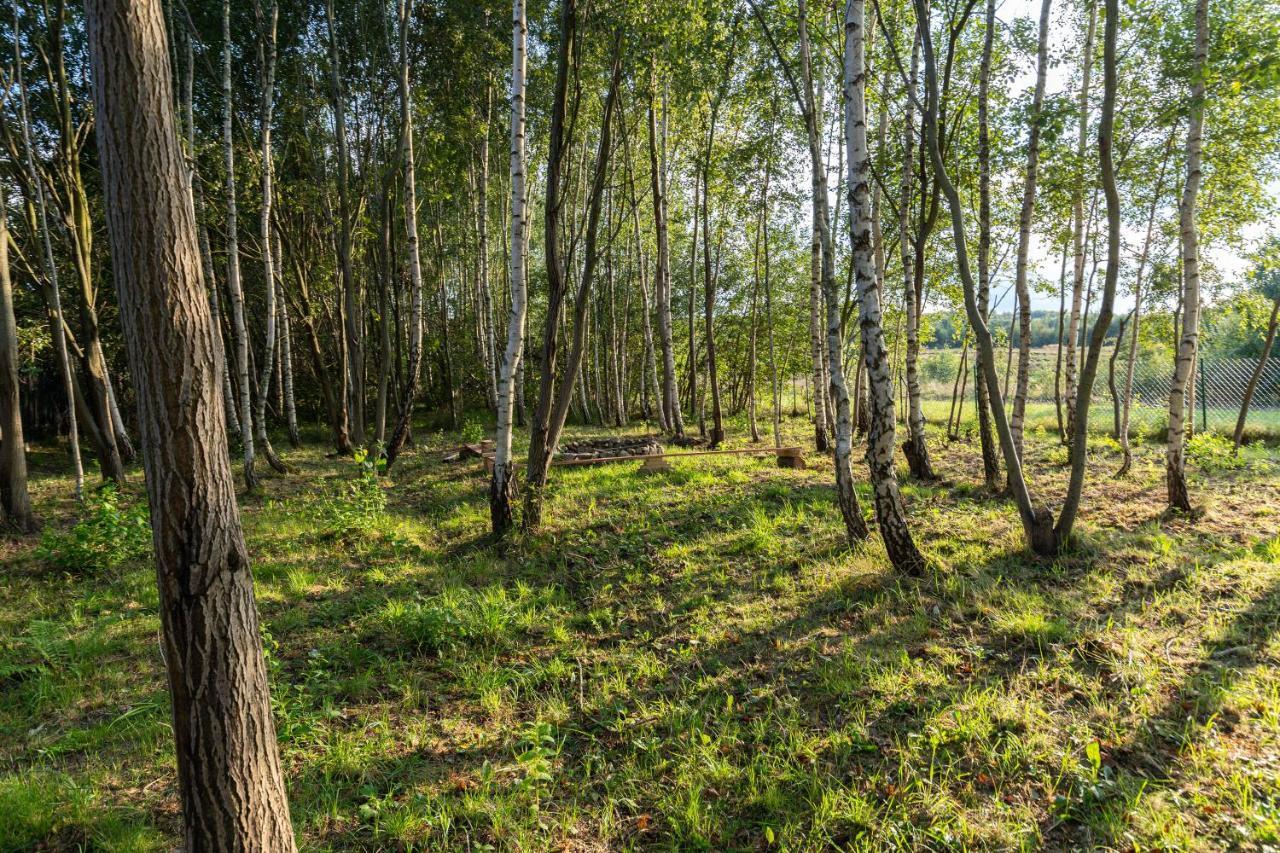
x=687, y=660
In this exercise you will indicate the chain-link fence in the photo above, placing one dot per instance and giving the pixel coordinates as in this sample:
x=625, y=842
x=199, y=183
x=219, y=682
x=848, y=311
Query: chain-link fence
x=1219, y=390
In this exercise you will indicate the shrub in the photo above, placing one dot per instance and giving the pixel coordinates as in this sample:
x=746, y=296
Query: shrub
x=1212, y=452
x=110, y=532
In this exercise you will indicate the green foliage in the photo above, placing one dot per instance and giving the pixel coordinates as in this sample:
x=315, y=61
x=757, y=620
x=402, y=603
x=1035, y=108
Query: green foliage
x=111, y=531
x=354, y=508
x=1212, y=452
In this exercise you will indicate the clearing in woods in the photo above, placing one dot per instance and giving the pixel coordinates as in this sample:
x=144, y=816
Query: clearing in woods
x=689, y=659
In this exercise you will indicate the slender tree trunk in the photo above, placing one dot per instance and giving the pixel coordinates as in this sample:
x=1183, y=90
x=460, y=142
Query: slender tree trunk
x=15, y=500
x=353, y=311
x=502, y=488
x=1037, y=521
x=1097, y=339
x=548, y=427
x=1057, y=366
x=915, y=448
x=990, y=464
x=78, y=219
x=234, y=289
x=401, y=432
x=855, y=524
x=669, y=408
x=768, y=307
x=709, y=288
x=229, y=774
x=1078, y=225
x=268, y=261
x=1249, y=389
x=1111, y=379
x=1024, y=231
x=1175, y=455
x=286, y=369
x=541, y=441
x=52, y=291
x=890, y=514
x=482, y=227
x=1137, y=317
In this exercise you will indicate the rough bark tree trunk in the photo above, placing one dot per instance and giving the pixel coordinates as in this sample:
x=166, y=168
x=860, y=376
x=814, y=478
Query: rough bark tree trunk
x=229, y=773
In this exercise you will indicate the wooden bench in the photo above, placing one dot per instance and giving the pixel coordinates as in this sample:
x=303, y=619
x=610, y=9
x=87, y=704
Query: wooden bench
x=788, y=457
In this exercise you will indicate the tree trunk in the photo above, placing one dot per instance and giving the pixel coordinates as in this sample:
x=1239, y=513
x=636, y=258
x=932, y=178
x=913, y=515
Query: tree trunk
x=234, y=289
x=1037, y=521
x=52, y=291
x=915, y=448
x=855, y=524
x=1111, y=380
x=1137, y=316
x=1238, y=436
x=669, y=408
x=1078, y=226
x=268, y=55
x=229, y=773
x=709, y=287
x=401, y=431
x=78, y=220
x=502, y=488
x=1097, y=339
x=353, y=311
x=990, y=465
x=890, y=514
x=1024, y=231
x=1175, y=454
x=15, y=500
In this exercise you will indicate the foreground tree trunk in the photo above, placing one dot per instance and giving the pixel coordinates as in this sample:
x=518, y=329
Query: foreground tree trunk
x=890, y=514
x=1175, y=452
x=15, y=501
x=855, y=524
x=400, y=434
x=502, y=489
x=229, y=774
x=551, y=414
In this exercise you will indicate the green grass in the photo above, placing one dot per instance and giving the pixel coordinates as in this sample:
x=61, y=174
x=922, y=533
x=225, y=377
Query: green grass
x=688, y=660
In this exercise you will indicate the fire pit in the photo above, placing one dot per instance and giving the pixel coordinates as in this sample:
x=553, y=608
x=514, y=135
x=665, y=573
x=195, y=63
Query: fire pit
x=608, y=448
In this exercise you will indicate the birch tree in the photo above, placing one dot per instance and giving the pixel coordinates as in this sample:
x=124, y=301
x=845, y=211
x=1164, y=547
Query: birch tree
x=1188, y=342
x=502, y=490
x=887, y=500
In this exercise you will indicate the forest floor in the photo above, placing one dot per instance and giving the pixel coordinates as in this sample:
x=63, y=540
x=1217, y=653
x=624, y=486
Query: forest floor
x=691, y=659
